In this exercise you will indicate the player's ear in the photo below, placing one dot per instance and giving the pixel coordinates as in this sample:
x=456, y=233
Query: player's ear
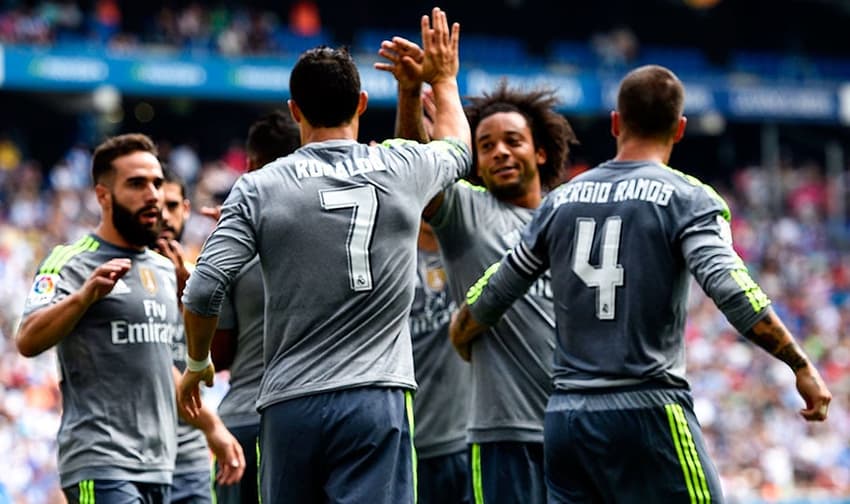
x=541, y=156
x=615, y=123
x=361, y=102
x=294, y=111
x=103, y=195
x=680, y=129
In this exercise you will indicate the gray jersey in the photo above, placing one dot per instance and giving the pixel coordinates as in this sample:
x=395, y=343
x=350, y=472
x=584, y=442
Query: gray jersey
x=242, y=312
x=119, y=413
x=512, y=363
x=620, y=240
x=193, y=455
x=335, y=225
x=441, y=405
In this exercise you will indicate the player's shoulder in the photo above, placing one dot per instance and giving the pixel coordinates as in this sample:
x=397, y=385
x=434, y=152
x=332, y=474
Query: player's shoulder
x=61, y=256
x=442, y=146
x=701, y=192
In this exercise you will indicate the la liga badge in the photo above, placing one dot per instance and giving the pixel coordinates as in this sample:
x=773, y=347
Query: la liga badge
x=43, y=289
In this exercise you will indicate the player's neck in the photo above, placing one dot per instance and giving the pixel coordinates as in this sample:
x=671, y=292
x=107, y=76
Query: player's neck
x=643, y=150
x=531, y=198
x=343, y=132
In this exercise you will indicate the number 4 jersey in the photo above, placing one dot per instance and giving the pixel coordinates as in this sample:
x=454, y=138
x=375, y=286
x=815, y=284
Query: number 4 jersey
x=619, y=241
x=335, y=225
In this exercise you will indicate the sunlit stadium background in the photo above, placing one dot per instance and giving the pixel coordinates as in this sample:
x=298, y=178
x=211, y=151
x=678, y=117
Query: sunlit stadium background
x=768, y=101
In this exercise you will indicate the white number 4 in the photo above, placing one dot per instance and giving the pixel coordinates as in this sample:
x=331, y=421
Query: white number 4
x=364, y=201
x=609, y=275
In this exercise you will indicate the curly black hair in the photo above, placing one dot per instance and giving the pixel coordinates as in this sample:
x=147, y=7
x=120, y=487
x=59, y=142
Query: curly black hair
x=550, y=130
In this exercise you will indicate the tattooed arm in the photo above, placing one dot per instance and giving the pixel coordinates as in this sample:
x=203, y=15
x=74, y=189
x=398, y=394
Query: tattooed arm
x=772, y=335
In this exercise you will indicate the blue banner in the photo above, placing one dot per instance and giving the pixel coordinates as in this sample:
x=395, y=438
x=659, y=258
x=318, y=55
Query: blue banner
x=81, y=69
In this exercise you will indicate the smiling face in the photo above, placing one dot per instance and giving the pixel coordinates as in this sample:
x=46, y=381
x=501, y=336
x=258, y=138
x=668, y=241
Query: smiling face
x=507, y=159
x=135, y=198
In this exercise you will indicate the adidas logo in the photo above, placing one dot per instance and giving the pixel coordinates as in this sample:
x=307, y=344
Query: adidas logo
x=121, y=287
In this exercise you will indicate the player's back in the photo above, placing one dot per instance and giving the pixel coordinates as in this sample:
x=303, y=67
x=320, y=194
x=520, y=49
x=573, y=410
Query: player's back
x=619, y=275
x=335, y=226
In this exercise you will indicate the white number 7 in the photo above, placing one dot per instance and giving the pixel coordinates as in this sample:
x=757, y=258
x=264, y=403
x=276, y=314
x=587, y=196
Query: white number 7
x=609, y=275
x=364, y=201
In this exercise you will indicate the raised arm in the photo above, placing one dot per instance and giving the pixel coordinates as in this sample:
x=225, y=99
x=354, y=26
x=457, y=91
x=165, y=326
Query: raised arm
x=47, y=326
x=440, y=67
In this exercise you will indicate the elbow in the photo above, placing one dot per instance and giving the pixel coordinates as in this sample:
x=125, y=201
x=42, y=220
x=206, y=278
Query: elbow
x=26, y=347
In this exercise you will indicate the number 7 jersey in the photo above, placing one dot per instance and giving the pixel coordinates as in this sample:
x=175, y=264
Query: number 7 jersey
x=335, y=226
x=619, y=241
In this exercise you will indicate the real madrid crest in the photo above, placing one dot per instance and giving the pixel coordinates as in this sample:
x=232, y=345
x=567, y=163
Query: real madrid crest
x=148, y=279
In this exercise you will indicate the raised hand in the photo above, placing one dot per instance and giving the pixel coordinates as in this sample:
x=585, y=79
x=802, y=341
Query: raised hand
x=405, y=60
x=440, y=47
x=103, y=279
x=174, y=252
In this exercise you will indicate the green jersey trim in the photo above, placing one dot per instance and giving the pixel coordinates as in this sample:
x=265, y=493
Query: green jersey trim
x=726, y=212
x=61, y=254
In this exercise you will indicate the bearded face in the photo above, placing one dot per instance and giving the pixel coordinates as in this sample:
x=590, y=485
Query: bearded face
x=140, y=228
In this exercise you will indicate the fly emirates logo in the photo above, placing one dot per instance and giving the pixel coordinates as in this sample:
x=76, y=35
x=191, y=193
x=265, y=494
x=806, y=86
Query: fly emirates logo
x=154, y=330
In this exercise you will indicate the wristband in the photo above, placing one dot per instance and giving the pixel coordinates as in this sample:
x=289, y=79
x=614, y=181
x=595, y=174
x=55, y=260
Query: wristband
x=197, y=365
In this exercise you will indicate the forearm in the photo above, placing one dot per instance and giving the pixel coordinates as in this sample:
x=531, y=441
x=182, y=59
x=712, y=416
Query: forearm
x=48, y=326
x=409, y=118
x=199, y=333
x=772, y=335
x=449, y=120
x=223, y=348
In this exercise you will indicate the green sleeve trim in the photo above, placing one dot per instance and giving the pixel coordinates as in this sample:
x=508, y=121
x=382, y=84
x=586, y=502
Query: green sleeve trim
x=60, y=255
x=757, y=298
x=477, y=288
x=472, y=186
x=397, y=142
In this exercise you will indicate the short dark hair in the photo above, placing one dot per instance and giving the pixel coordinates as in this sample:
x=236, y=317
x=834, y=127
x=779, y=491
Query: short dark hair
x=650, y=101
x=325, y=84
x=172, y=177
x=272, y=136
x=550, y=130
x=115, y=147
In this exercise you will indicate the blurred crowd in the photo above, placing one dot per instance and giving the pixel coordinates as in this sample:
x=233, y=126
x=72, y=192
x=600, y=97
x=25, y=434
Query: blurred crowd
x=195, y=26
x=744, y=398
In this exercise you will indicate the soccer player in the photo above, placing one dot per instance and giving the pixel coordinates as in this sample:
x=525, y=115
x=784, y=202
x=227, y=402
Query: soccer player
x=238, y=341
x=109, y=305
x=195, y=439
x=520, y=145
x=335, y=226
x=441, y=405
x=619, y=240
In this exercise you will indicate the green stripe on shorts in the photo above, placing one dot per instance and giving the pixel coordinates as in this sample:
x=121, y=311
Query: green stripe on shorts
x=477, y=482
x=86, y=492
x=408, y=406
x=688, y=456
